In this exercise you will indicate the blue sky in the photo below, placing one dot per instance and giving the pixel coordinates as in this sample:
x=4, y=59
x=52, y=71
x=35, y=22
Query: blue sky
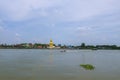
x=63, y=21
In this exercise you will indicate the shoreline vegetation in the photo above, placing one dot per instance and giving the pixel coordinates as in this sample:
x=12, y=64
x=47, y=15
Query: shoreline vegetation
x=59, y=46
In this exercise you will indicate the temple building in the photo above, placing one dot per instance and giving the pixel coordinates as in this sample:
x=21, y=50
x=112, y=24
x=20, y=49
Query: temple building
x=51, y=44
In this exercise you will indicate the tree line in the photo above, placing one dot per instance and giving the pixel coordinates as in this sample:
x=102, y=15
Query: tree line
x=45, y=46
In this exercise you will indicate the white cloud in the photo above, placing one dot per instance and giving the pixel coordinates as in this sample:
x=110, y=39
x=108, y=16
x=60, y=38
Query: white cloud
x=20, y=9
x=77, y=10
x=83, y=9
x=84, y=31
x=70, y=10
x=17, y=35
x=1, y=28
x=84, y=28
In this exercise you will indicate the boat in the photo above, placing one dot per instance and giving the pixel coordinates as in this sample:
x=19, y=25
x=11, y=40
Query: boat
x=63, y=51
x=94, y=49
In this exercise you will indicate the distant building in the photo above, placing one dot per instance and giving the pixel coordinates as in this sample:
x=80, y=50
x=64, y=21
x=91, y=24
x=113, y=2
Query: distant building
x=40, y=47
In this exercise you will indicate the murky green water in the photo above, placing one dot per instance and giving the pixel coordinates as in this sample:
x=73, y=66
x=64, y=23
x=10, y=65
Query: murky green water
x=35, y=64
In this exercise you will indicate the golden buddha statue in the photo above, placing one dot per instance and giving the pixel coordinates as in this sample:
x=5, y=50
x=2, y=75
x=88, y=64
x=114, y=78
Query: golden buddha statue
x=51, y=44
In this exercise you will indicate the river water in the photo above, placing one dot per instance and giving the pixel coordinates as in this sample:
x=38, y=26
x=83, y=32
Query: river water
x=37, y=64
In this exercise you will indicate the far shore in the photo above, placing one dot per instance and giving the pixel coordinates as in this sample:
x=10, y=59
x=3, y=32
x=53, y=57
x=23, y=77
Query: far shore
x=59, y=49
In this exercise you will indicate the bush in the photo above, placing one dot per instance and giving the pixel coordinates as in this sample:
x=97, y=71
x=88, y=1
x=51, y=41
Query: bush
x=87, y=66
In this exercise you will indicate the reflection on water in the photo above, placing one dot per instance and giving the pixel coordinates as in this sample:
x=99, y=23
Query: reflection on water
x=18, y=64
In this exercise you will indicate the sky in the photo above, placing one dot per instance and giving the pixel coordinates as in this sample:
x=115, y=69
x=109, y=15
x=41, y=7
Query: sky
x=70, y=22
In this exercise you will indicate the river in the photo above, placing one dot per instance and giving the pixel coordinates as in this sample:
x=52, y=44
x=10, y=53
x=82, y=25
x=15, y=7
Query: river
x=38, y=64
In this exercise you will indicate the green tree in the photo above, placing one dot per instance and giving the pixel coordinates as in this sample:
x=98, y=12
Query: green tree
x=82, y=45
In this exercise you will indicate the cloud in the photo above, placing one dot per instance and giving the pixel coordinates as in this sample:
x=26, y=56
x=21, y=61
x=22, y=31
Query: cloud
x=17, y=35
x=56, y=9
x=21, y=9
x=61, y=20
x=79, y=10
x=1, y=28
x=82, y=29
x=7, y=35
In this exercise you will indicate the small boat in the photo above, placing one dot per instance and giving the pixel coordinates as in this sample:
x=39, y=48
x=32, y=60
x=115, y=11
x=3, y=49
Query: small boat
x=94, y=49
x=63, y=51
